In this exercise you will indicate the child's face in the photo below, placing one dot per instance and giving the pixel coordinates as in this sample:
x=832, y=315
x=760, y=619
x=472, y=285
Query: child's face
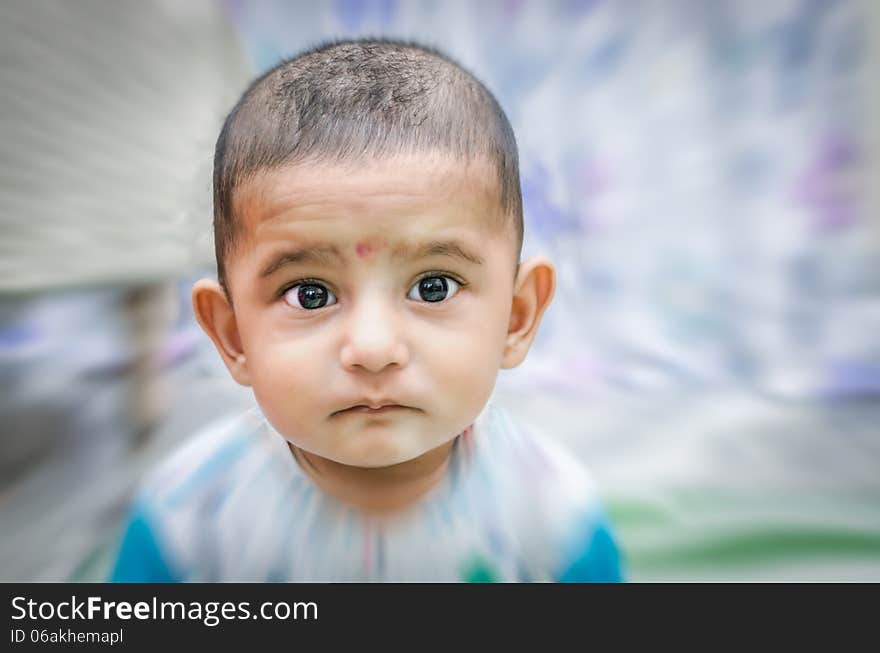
x=387, y=283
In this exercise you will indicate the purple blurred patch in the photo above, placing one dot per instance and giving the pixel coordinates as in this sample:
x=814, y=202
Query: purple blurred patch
x=592, y=178
x=822, y=187
x=576, y=8
x=16, y=336
x=179, y=347
x=351, y=12
x=234, y=10
x=851, y=379
x=355, y=12
x=510, y=9
x=548, y=220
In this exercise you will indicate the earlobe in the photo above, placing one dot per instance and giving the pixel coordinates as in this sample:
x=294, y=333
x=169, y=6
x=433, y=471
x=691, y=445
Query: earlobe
x=216, y=316
x=532, y=293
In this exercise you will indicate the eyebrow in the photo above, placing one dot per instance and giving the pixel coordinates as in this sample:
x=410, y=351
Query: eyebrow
x=330, y=254
x=451, y=248
x=318, y=254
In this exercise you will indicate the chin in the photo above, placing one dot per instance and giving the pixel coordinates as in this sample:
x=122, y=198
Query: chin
x=378, y=459
x=385, y=453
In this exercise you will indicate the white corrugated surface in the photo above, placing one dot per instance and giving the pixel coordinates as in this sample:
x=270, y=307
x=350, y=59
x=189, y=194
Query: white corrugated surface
x=108, y=118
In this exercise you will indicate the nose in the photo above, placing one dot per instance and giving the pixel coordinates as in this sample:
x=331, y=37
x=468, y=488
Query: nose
x=374, y=339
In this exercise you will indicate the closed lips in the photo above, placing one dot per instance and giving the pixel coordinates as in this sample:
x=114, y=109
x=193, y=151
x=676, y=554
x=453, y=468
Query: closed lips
x=371, y=408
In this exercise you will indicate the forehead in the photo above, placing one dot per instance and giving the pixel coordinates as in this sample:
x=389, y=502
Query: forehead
x=402, y=197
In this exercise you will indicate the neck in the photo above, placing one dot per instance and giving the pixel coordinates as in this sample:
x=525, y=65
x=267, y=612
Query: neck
x=377, y=489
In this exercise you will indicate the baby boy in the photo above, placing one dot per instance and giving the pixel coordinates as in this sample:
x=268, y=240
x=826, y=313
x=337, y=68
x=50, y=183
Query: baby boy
x=368, y=228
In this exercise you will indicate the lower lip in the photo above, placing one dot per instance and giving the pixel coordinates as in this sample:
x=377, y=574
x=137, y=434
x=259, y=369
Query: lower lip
x=371, y=411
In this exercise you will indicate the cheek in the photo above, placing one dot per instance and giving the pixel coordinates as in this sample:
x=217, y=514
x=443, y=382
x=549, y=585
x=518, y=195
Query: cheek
x=282, y=353
x=465, y=361
x=286, y=378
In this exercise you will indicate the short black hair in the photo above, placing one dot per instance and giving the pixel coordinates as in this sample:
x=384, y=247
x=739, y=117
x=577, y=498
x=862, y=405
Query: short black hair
x=353, y=99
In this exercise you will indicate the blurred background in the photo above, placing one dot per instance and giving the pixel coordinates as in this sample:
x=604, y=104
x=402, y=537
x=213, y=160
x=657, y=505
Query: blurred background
x=704, y=174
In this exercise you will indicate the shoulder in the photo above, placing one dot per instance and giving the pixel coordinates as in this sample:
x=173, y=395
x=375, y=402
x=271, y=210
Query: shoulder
x=183, y=492
x=521, y=450
x=206, y=462
x=561, y=510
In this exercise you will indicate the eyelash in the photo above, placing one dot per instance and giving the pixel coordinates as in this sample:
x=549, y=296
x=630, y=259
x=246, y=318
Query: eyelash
x=301, y=282
x=317, y=282
x=438, y=273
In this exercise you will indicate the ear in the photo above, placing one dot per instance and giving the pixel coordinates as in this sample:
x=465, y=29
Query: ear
x=532, y=291
x=217, y=318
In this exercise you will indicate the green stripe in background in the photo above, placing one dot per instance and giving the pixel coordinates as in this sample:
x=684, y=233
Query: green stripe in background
x=717, y=536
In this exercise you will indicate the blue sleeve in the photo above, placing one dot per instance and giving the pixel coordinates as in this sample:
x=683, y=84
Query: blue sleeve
x=140, y=558
x=594, y=557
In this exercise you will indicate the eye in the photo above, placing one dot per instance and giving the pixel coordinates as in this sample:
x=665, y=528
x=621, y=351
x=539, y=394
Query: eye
x=309, y=296
x=433, y=289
